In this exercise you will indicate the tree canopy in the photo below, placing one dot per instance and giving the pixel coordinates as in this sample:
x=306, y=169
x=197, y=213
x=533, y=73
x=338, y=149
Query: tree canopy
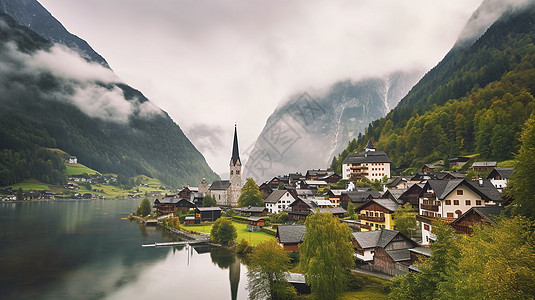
x=250, y=194
x=405, y=219
x=144, y=208
x=223, y=231
x=208, y=201
x=269, y=262
x=326, y=254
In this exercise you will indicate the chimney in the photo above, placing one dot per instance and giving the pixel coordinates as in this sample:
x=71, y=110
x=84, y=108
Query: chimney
x=480, y=181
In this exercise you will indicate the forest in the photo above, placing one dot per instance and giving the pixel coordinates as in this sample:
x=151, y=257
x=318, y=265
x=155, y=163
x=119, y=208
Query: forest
x=475, y=101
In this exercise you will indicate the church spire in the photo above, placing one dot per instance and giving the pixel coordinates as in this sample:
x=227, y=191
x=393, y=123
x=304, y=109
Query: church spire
x=235, y=152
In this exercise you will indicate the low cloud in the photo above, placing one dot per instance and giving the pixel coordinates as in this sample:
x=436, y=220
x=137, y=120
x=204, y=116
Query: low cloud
x=89, y=86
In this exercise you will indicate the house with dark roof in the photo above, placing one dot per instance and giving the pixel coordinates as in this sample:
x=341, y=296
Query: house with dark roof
x=483, y=166
x=169, y=205
x=386, y=251
x=476, y=215
x=265, y=190
x=290, y=236
x=278, y=200
x=334, y=196
x=412, y=195
x=255, y=223
x=499, y=177
x=252, y=211
x=336, y=211
x=449, y=199
x=458, y=161
x=207, y=214
x=376, y=214
x=394, y=195
x=429, y=168
x=397, y=183
x=369, y=163
x=358, y=197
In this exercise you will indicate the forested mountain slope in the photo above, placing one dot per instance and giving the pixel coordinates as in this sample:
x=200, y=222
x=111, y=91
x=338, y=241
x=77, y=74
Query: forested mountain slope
x=474, y=101
x=52, y=98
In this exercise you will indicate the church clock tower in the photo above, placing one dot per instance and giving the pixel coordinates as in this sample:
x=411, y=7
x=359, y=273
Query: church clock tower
x=235, y=173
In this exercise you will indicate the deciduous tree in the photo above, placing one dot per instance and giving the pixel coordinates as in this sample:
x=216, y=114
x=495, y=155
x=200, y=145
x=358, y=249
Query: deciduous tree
x=208, y=201
x=269, y=262
x=326, y=254
x=250, y=194
x=405, y=219
x=223, y=231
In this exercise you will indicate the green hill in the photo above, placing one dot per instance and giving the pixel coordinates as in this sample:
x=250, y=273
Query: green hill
x=474, y=101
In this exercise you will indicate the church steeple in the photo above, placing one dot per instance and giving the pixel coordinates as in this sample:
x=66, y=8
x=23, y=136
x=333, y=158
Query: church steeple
x=235, y=152
x=370, y=146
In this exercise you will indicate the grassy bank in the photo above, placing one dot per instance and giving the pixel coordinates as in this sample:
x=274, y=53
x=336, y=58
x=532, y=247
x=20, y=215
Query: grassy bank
x=254, y=238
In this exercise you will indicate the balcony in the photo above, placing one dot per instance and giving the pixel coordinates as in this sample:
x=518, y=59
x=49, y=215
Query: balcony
x=429, y=195
x=370, y=218
x=364, y=226
x=430, y=207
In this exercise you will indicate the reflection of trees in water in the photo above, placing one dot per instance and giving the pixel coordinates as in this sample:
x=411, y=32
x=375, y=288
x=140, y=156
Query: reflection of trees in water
x=227, y=259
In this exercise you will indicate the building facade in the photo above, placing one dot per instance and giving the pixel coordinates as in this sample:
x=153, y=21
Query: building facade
x=369, y=163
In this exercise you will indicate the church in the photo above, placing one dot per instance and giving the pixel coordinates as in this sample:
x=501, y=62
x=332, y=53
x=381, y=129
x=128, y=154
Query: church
x=227, y=192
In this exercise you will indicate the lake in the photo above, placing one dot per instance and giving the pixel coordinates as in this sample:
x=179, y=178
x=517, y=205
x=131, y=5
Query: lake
x=83, y=249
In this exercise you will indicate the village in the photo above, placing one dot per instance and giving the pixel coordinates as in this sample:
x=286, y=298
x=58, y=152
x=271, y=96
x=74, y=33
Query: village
x=371, y=211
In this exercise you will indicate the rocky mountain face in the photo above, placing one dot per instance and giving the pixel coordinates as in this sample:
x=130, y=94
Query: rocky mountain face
x=32, y=14
x=311, y=128
x=54, y=98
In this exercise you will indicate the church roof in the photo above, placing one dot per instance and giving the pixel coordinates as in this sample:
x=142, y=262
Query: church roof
x=235, y=152
x=220, y=185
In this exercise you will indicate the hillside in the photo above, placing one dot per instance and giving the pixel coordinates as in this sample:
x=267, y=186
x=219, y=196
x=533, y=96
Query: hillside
x=475, y=100
x=52, y=98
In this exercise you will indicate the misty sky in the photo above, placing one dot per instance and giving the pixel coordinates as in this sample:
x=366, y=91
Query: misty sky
x=211, y=64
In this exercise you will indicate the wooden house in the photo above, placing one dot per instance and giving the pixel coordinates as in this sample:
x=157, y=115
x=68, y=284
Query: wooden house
x=398, y=183
x=412, y=194
x=358, y=197
x=300, y=209
x=265, y=190
x=476, y=215
x=290, y=236
x=483, y=166
x=252, y=211
x=430, y=168
x=189, y=220
x=255, y=223
x=458, y=161
x=385, y=251
x=209, y=214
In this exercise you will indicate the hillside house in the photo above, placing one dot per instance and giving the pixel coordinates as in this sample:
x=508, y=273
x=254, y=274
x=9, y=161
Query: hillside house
x=412, y=195
x=476, y=215
x=449, y=199
x=430, y=168
x=376, y=214
x=300, y=209
x=255, y=223
x=369, y=163
x=398, y=183
x=358, y=197
x=499, y=177
x=484, y=166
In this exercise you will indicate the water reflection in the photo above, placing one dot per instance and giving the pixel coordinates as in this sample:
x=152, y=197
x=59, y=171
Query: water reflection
x=83, y=250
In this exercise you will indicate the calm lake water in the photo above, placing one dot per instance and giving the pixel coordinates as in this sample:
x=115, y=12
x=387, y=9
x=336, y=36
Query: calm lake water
x=82, y=249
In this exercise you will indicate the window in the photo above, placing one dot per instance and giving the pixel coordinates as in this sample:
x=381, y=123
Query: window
x=231, y=172
x=455, y=202
x=450, y=215
x=237, y=172
x=426, y=227
x=459, y=192
x=478, y=202
x=448, y=202
x=467, y=202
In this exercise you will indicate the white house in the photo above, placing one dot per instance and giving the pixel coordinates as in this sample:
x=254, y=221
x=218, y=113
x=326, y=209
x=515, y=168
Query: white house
x=449, y=199
x=499, y=177
x=278, y=201
x=369, y=163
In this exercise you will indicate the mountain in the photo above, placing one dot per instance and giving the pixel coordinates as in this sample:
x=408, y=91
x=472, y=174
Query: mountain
x=309, y=129
x=54, y=98
x=33, y=15
x=475, y=100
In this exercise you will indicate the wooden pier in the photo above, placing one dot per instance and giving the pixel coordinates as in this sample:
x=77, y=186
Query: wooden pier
x=172, y=244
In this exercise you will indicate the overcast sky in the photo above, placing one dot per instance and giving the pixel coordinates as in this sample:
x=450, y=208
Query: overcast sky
x=211, y=64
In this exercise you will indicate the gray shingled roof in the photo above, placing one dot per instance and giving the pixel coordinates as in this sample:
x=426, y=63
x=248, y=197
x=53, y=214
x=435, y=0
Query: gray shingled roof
x=488, y=212
x=504, y=172
x=333, y=210
x=220, y=185
x=399, y=255
x=484, y=164
x=487, y=190
x=208, y=208
x=255, y=219
x=360, y=196
x=252, y=209
x=389, y=204
x=291, y=234
x=375, y=238
x=275, y=196
x=422, y=251
x=366, y=157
